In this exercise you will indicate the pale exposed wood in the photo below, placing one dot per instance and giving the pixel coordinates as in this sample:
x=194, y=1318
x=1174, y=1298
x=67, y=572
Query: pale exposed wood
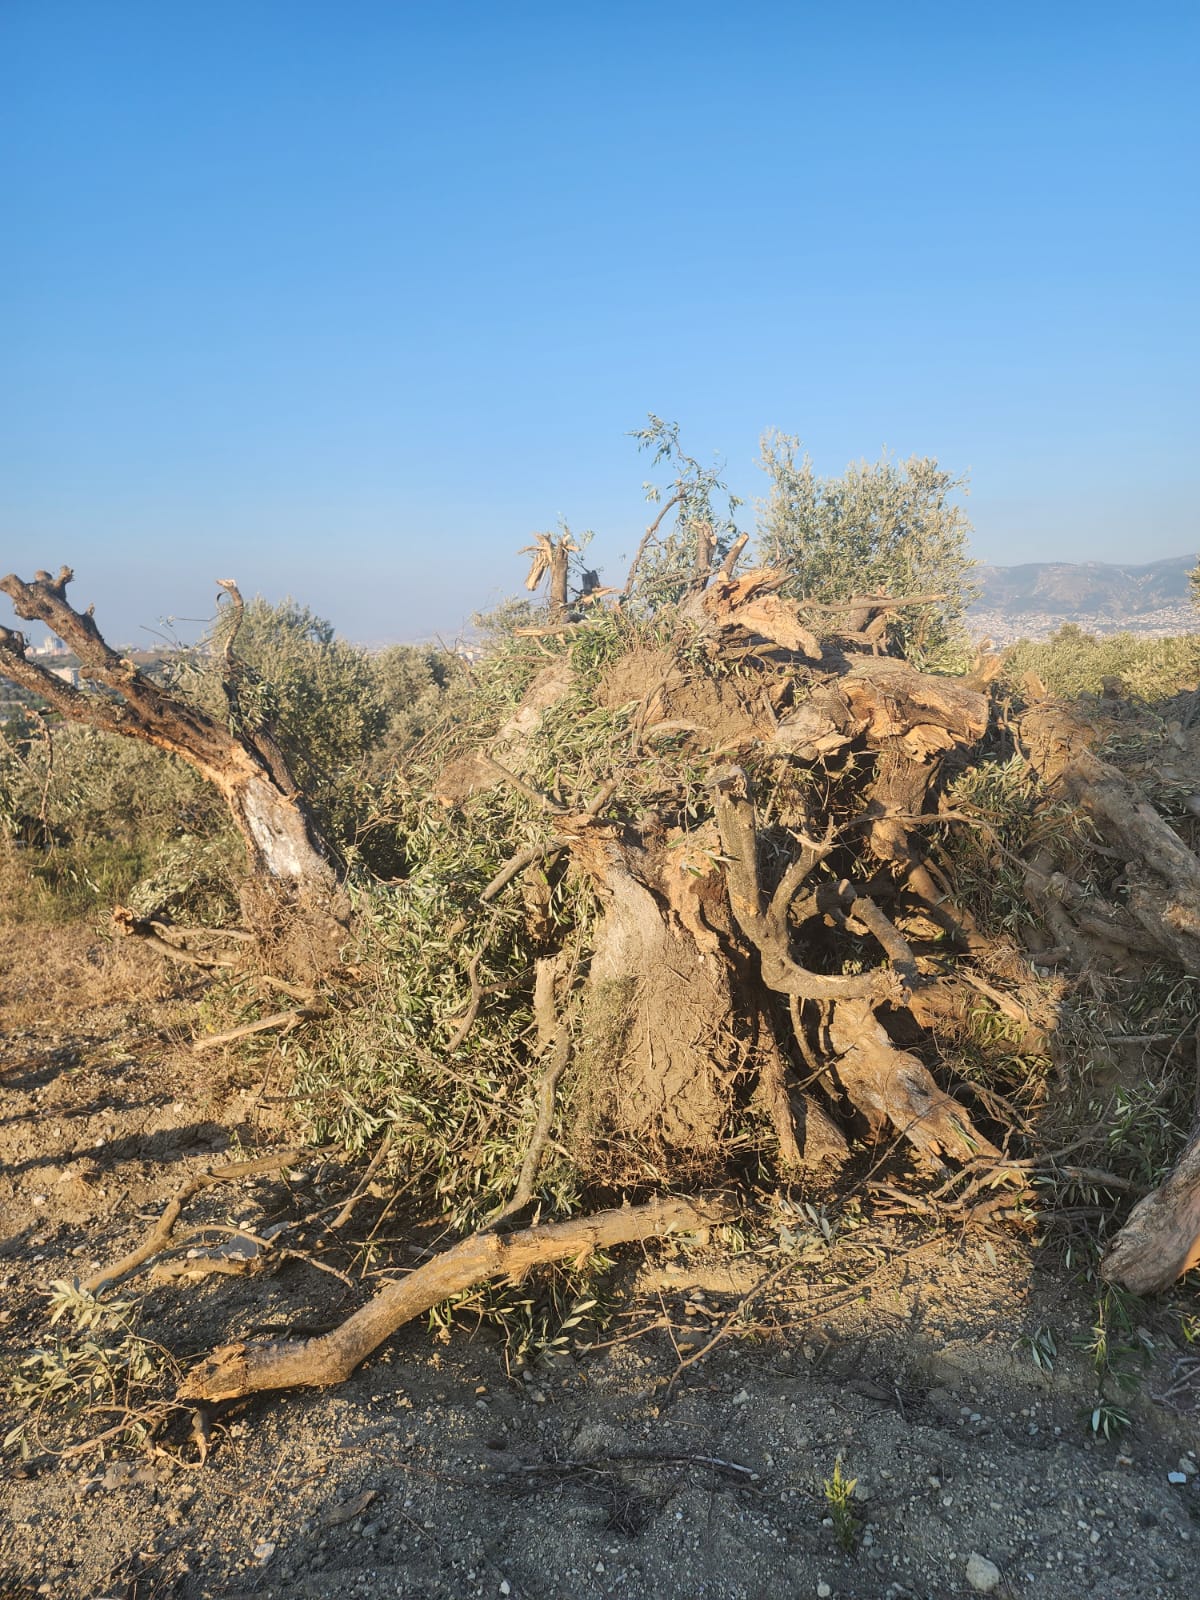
x=891, y=1086
x=1161, y=1239
x=285, y=1021
x=248, y=1368
x=750, y=604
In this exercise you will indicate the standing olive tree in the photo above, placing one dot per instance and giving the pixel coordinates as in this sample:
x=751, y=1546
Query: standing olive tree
x=885, y=526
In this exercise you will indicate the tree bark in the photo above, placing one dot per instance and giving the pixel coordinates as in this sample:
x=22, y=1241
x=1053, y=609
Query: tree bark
x=291, y=864
x=1161, y=1239
x=241, y=1369
x=1162, y=876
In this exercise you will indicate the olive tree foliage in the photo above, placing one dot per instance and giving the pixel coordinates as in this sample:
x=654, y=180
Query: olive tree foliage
x=314, y=691
x=342, y=716
x=410, y=681
x=90, y=808
x=883, y=526
x=1193, y=579
x=697, y=515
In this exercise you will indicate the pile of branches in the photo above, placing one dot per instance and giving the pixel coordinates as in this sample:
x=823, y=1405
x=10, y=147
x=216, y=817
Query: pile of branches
x=687, y=881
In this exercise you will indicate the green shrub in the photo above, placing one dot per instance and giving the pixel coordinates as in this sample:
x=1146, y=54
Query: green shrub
x=886, y=526
x=1072, y=662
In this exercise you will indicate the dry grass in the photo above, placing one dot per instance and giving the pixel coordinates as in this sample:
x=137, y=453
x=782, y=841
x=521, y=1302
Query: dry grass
x=48, y=972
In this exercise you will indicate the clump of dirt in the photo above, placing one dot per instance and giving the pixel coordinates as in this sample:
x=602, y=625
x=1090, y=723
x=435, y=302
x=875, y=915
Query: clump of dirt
x=717, y=713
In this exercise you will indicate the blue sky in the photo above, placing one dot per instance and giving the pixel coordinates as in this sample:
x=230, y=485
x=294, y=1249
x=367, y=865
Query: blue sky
x=345, y=301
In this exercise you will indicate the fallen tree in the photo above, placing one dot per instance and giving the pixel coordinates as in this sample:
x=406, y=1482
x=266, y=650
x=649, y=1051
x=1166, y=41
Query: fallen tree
x=1160, y=905
x=678, y=897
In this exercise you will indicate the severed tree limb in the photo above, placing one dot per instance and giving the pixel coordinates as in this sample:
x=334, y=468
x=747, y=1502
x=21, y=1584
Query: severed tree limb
x=129, y=926
x=553, y=1039
x=285, y=1021
x=1161, y=1239
x=558, y=1063
x=248, y=1368
x=523, y=858
x=295, y=898
x=164, y=1227
x=731, y=555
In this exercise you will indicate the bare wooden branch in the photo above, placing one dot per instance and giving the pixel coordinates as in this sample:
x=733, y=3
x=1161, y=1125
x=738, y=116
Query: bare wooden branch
x=729, y=565
x=129, y=926
x=646, y=538
x=248, y=1368
x=540, y=1138
x=161, y=1232
x=285, y=1021
x=523, y=858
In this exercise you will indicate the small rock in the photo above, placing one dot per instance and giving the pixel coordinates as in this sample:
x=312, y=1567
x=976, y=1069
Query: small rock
x=264, y=1551
x=1176, y=1477
x=823, y=1591
x=982, y=1574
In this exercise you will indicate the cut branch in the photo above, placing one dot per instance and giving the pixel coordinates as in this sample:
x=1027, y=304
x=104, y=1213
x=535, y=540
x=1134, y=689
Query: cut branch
x=285, y=1021
x=248, y=1368
x=161, y=1232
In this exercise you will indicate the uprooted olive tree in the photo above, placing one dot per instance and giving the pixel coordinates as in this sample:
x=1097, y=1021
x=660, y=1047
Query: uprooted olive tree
x=705, y=837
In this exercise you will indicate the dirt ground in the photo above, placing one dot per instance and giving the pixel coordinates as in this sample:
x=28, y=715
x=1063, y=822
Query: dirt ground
x=903, y=1354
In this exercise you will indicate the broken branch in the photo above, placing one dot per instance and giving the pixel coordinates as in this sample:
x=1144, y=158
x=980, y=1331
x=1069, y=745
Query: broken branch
x=248, y=1368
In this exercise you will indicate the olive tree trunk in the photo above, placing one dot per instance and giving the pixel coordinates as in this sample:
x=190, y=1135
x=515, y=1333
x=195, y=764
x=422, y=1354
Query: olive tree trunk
x=293, y=876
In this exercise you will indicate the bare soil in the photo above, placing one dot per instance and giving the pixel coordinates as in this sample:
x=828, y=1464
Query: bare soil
x=441, y=1469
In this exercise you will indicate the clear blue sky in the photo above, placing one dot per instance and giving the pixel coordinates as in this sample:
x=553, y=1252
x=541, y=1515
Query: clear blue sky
x=345, y=300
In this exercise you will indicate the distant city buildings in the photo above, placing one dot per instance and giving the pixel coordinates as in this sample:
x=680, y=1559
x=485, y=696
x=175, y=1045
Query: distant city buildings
x=1005, y=627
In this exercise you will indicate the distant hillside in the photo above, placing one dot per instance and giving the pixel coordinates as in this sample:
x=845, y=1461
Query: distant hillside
x=1091, y=590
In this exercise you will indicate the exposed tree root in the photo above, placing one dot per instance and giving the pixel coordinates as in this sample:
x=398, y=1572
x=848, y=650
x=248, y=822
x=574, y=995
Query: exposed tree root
x=894, y=1086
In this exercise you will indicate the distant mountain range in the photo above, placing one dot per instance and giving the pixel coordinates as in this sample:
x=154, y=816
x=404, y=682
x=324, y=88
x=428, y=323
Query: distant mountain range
x=1038, y=596
x=1085, y=588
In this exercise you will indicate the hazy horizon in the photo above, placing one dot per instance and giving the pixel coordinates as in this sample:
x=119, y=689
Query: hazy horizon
x=346, y=305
